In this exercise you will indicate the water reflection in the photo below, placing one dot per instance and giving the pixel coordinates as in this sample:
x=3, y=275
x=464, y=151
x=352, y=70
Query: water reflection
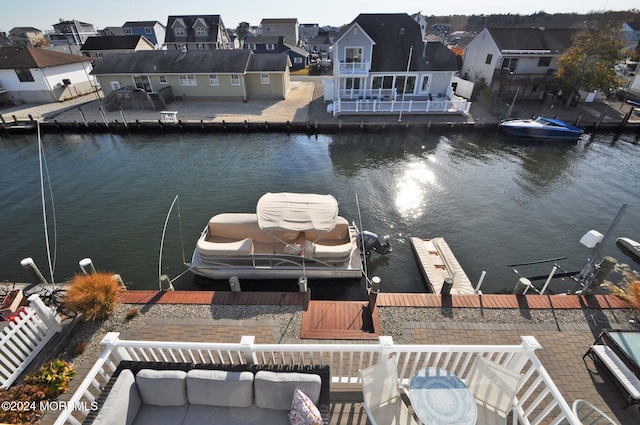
x=412, y=188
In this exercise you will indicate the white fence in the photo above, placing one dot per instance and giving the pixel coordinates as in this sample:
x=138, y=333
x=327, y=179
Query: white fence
x=538, y=400
x=24, y=337
x=377, y=106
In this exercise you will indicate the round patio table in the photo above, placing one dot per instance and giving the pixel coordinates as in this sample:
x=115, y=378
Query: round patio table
x=440, y=398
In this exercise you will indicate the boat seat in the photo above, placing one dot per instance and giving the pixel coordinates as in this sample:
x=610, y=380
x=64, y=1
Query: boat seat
x=212, y=249
x=331, y=252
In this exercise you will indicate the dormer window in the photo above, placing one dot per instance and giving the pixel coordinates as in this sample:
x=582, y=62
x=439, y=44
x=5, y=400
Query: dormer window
x=128, y=31
x=271, y=46
x=147, y=30
x=201, y=32
x=178, y=32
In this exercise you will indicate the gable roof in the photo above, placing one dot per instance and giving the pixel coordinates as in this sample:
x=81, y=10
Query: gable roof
x=114, y=42
x=33, y=57
x=635, y=26
x=394, y=35
x=279, y=21
x=175, y=62
x=553, y=40
x=259, y=39
x=212, y=21
x=140, y=24
x=268, y=62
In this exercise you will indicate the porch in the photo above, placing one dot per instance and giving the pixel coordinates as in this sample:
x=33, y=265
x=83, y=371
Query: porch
x=538, y=400
x=390, y=104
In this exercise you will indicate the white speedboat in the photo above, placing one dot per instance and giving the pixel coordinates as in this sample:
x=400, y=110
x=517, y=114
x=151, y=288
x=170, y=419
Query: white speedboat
x=541, y=128
x=631, y=246
x=291, y=235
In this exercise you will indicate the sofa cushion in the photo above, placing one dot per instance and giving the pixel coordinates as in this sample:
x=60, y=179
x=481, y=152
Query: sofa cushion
x=122, y=403
x=274, y=390
x=253, y=415
x=160, y=415
x=220, y=388
x=162, y=387
x=303, y=411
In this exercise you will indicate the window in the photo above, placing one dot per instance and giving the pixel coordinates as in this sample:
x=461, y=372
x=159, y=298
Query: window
x=213, y=79
x=489, y=59
x=181, y=46
x=201, y=32
x=163, y=79
x=425, y=84
x=235, y=80
x=115, y=85
x=188, y=80
x=271, y=46
x=410, y=86
x=147, y=30
x=178, y=32
x=384, y=82
x=24, y=75
x=264, y=79
x=297, y=60
x=200, y=46
x=352, y=83
x=98, y=54
x=128, y=31
x=510, y=63
x=353, y=54
x=546, y=61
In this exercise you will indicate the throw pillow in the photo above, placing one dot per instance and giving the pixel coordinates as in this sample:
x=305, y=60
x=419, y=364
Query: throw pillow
x=303, y=411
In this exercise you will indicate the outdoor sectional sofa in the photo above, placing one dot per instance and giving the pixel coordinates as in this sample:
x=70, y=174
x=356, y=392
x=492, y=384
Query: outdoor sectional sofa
x=141, y=393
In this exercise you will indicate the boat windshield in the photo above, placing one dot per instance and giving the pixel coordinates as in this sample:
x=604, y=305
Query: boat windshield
x=545, y=121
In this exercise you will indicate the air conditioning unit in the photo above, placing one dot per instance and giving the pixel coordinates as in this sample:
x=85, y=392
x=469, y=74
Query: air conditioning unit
x=66, y=81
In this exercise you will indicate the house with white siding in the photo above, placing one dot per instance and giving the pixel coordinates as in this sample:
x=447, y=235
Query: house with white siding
x=382, y=65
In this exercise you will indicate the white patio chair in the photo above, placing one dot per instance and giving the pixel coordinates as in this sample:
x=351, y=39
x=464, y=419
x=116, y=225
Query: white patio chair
x=590, y=414
x=381, y=393
x=494, y=387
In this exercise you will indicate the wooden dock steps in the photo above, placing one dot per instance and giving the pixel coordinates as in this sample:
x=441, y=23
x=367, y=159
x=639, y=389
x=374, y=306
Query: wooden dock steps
x=340, y=320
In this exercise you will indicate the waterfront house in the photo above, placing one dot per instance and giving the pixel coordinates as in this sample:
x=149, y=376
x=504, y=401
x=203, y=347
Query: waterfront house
x=72, y=33
x=152, y=79
x=197, y=32
x=382, y=65
x=98, y=47
x=35, y=75
x=265, y=44
x=153, y=31
x=511, y=60
x=285, y=27
x=26, y=36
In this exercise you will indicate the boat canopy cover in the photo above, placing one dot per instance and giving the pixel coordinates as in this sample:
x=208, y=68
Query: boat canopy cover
x=297, y=212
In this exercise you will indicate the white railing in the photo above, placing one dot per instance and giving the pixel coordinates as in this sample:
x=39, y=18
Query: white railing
x=354, y=67
x=377, y=106
x=24, y=337
x=538, y=400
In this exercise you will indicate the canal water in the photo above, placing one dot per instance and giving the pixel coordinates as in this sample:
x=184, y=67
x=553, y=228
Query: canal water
x=496, y=201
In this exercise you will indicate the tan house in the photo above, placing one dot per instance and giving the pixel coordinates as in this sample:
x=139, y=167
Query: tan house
x=26, y=36
x=97, y=47
x=285, y=27
x=161, y=76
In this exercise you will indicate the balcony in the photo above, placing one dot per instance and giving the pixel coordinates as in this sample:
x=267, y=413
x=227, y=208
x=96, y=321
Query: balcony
x=506, y=75
x=353, y=68
x=538, y=400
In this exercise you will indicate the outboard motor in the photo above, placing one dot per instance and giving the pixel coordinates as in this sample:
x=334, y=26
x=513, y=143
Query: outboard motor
x=368, y=241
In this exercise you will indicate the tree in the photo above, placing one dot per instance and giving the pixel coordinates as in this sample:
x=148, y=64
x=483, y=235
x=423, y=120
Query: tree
x=589, y=63
x=242, y=31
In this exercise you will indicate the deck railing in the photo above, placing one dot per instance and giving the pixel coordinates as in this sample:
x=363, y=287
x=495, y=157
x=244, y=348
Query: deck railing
x=538, y=400
x=354, y=67
x=379, y=106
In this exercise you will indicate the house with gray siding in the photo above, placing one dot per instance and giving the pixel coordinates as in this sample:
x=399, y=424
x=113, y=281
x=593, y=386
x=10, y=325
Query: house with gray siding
x=197, y=32
x=382, y=65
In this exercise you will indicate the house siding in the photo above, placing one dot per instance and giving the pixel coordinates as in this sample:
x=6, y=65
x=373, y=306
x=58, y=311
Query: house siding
x=354, y=38
x=474, y=66
x=274, y=90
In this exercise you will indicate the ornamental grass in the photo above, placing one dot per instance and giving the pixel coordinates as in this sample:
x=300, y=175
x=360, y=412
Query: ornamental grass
x=628, y=291
x=93, y=295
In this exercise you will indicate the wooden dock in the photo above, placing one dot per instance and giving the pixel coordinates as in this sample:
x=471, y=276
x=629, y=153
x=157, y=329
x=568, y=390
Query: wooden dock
x=437, y=263
x=355, y=320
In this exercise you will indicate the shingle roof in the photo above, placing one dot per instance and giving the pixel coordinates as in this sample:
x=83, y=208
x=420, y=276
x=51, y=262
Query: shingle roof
x=33, y=57
x=394, y=35
x=113, y=42
x=555, y=40
x=175, y=62
x=213, y=22
x=634, y=25
x=268, y=62
x=138, y=24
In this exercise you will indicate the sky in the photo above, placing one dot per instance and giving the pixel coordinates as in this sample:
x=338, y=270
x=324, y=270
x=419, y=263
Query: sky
x=43, y=14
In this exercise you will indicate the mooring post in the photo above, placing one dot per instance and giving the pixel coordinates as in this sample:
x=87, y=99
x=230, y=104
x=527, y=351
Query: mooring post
x=31, y=267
